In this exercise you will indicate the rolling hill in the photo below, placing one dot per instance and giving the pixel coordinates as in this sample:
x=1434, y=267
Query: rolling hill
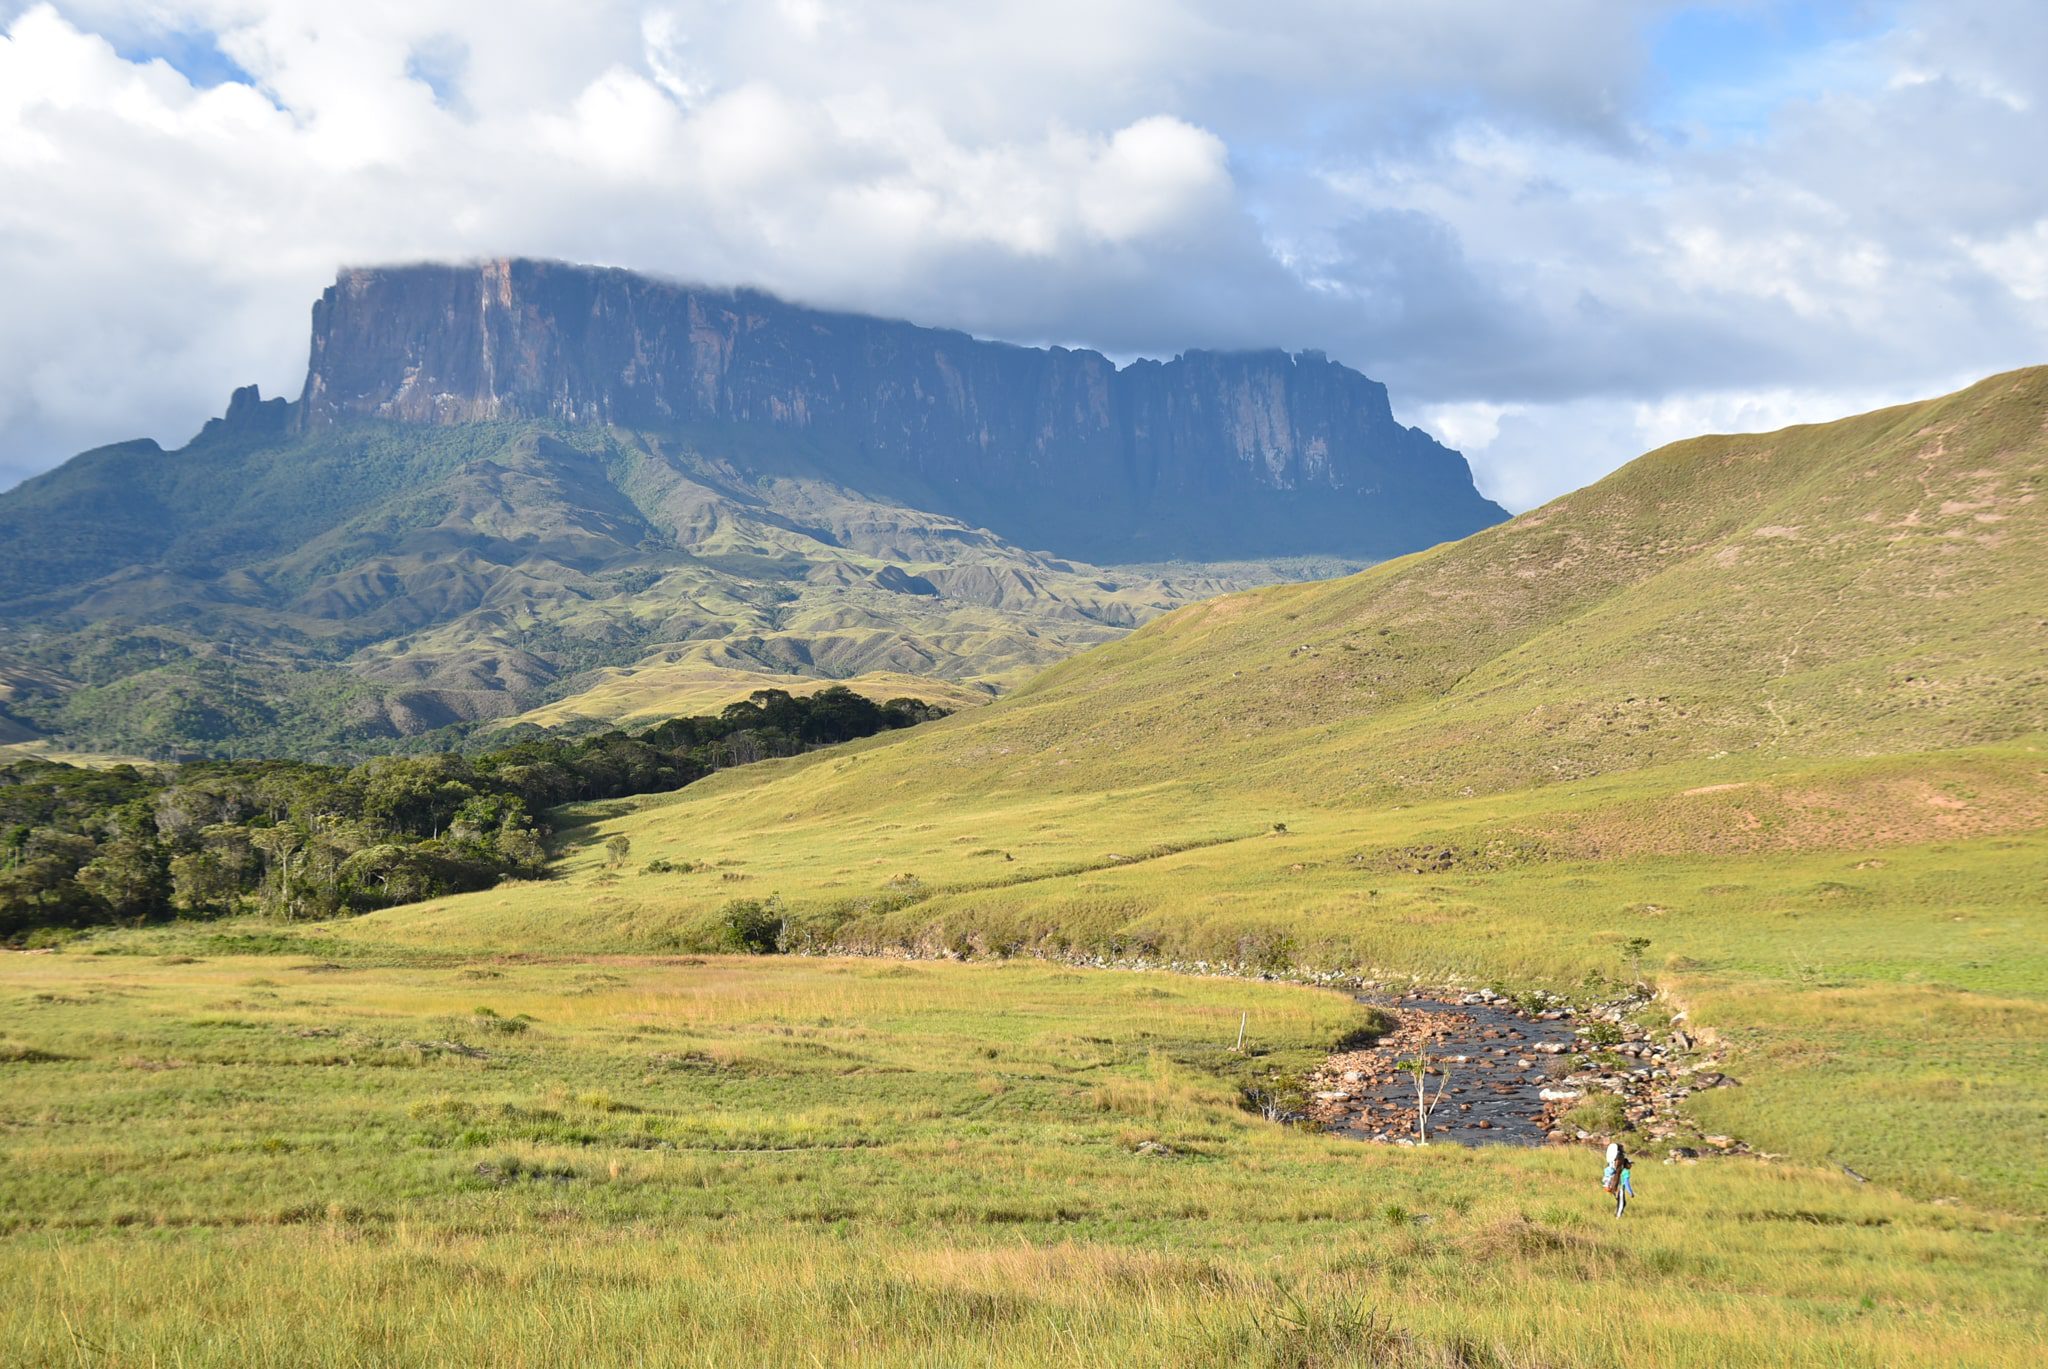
x=1772, y=706
x=1721, y=611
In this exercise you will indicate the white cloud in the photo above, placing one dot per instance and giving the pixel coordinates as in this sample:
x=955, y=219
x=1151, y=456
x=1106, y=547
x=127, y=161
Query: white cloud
x=1474, y=203
x=2019, y=260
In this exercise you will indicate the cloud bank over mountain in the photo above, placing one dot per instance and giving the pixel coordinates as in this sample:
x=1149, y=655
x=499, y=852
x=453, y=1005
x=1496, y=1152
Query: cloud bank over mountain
x=1560, y=233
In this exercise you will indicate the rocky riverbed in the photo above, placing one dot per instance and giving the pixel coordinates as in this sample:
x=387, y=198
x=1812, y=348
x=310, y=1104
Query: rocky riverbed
x=1528, y=1072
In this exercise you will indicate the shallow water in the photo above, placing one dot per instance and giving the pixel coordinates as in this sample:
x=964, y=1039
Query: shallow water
x=1490, y=1085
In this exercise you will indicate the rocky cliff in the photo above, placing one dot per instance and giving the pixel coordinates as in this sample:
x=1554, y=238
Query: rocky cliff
x=1207, y=455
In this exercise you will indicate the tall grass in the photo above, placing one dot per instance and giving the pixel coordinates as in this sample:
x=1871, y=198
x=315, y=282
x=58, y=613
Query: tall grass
x=233, y=1160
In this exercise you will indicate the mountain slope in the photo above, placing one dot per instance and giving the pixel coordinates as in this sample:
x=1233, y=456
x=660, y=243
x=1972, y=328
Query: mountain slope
x=375, y=580
x=506, y=483
x=1823, y=637
x=1854, y=588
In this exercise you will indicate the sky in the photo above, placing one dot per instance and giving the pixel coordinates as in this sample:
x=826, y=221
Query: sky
x=1562, y=233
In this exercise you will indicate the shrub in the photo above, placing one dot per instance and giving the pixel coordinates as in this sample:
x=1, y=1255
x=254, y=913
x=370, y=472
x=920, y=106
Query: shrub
x=485, y=1019
x=751, y=925
x=1600, y=1034
x=1602, y=1114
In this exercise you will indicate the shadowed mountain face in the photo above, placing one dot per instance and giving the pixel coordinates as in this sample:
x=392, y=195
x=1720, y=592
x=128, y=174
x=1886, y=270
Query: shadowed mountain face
x=517, y=485
x=1206, y=456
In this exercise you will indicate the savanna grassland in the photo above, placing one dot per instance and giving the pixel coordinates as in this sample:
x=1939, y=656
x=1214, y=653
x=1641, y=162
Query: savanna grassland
x=1776, y=704
x=1760, y=720
x=334, y=1155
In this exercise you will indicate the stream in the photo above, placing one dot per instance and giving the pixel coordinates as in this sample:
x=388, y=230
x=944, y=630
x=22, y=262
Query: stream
x=1499, y=1062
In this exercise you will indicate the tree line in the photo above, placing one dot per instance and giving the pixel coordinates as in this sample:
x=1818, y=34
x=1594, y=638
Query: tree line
x=293, y=839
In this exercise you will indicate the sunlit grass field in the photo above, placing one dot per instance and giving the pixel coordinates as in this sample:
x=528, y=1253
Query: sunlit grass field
x=1885, y=1005
x=398, y=1157
x=1757, y=719
x=655, y=691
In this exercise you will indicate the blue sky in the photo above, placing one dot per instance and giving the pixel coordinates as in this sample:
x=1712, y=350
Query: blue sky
x=1561, y=233
x=1725, y=68
x=193, y=53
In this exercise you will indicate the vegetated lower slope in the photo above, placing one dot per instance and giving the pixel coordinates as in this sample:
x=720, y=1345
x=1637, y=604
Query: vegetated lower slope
x=649, y=691
x=332, y=593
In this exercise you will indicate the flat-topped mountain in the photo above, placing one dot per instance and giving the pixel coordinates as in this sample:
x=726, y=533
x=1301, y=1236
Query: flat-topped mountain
x=1209, y=455
x=516, y=486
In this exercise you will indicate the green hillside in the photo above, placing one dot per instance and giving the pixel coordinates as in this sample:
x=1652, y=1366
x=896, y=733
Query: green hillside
x=342, y=591
x=1853, y=589
x=1758, y=719
x=1774, y=703
x=1708, y=621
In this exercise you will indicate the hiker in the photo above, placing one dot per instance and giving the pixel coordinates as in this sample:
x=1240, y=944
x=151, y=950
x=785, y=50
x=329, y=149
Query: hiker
x=1618, y=1178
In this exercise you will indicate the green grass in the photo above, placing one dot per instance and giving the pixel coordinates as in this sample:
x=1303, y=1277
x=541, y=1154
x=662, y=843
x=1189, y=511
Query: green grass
x=225, y=1160
x=1887, y=1007
x=1776, y=702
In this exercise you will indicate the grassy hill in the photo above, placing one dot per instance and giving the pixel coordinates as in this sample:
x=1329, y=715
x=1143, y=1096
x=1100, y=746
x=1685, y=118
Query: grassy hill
x=1775, y=703
x=1706, y=647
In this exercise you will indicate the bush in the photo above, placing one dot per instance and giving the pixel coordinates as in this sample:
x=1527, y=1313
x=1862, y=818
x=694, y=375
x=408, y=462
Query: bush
x=486, y=1019
x=1601, y=1114
x=751, y=925
x=1600, y=1034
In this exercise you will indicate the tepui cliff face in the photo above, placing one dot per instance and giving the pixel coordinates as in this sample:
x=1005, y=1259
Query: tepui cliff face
x=1210, y=454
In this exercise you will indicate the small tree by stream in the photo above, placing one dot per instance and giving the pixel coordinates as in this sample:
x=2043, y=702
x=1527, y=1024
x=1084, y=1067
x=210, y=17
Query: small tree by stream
x=1419, y=1068
x=1632, y=951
